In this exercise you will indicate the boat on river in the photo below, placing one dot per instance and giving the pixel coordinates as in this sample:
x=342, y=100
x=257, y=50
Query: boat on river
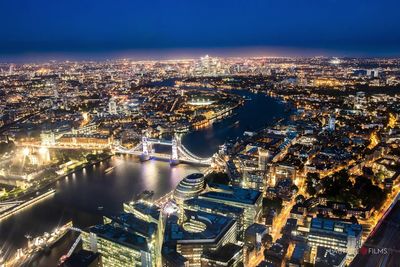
x=110, y=169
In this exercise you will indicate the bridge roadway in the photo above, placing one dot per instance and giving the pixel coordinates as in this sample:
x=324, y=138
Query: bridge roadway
x=159, y=142
x=152, y=154
x=162, y=156
x=179, y=152
x=184, y=154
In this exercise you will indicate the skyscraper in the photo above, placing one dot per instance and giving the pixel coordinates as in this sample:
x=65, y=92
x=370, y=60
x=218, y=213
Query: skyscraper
x=125, y=240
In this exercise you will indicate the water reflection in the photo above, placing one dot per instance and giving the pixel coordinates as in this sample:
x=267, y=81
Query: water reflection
x=79, y=195
x=149, y=173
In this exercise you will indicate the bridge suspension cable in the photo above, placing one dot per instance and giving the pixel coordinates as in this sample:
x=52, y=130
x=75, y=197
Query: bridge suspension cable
x=183, y=153
x=192, y=156
x=123, y=149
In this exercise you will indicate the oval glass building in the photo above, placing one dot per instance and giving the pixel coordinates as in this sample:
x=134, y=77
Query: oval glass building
x=189, y=187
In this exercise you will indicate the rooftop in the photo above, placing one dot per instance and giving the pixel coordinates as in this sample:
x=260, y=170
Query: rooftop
x=232, y=194
x=256, y=228
x=327, y=257
x=134, y=224
x=82, y=258
x=336, y=227
x=215, y=226
x=299, y=252
x=120, y=236
x=223, y=254
x=146, y=209
x=207, y=204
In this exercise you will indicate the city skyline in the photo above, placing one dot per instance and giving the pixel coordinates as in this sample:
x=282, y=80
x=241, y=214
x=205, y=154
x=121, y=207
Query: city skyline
x=267, y=157
x=182, y=54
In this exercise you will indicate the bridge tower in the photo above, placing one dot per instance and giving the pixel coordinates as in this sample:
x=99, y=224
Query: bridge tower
x=175, y=154
x=146, y=145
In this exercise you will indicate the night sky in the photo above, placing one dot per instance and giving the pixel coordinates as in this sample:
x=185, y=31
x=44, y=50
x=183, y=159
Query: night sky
x=342, y=27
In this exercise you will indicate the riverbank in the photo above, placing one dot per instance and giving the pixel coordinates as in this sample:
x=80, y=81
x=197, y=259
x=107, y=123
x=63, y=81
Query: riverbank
x=220, y=116
x=14, y=209
x=26, y=199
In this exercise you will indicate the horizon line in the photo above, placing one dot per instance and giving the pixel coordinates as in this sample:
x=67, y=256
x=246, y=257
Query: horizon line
x=162, y=54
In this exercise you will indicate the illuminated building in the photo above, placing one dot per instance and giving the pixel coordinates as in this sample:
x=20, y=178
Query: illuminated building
x=11, y=69
x=282, y=171
x=118, y=247
x=209, y=66
x=151, y=214
x=374, y=73
x=125, y=240
x=228, y=255
x=248, y=199
x=187, y=240
x=263, y=157
x=85, y=140
x=189, y=187
x=341, y=236
x=335, y=61
x=204, y=205
x=112, y=107
x=254, y=180
x=48, y=138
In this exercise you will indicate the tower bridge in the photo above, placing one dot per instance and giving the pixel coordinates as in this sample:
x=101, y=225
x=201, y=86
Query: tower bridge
x=145, y=150
x=179, y=153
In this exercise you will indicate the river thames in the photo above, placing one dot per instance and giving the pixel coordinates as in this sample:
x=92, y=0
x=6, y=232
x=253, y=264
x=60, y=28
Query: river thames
x=79, y=195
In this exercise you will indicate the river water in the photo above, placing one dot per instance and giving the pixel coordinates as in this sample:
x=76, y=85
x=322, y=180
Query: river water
x=79, y=195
